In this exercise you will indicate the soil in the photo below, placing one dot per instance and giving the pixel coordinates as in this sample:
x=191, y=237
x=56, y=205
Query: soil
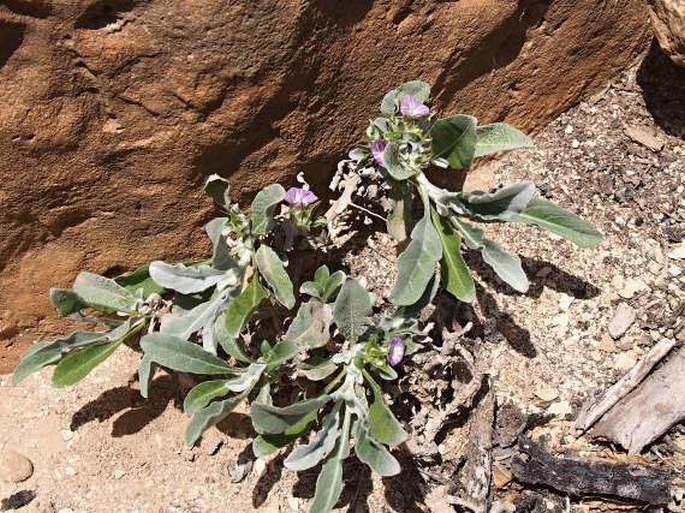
x=618, y=160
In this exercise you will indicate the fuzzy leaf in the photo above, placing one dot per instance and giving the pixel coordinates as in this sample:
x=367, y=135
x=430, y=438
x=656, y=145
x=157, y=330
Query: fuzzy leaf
x=500, y=137
x=454, y=139
x=310, y=326
x=140, y=279
x=415, y=88
x=306, y=456
x=399, y=218
x=184, y=279
x=240, y=310
x=383, y=425
x=456, y=277
x=352, y=309
x=555, y=219
x=376, y=456
x=218, y=188
x=180, y=355
x=204, y=393
x=473, y=236
x=104, y=294
x=271, y=268
x=263, y=205
x=146, y=372
x=269, y=419
x=394, y=164
x=318, y=372
x=329, y=482
x=78, y=364
x=500, y=204
x=210, y=416
x=416, y=264
x=66, y=301
x=506, y=266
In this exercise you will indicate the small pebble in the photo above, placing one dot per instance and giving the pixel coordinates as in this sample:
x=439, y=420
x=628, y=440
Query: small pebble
x=560, y=408
x=568, y=130
x=575, y=144
x=14, y=467
x=631, y=287
x=623, y=318
x=547, y=394
x=678, y=253
x=565, y=301
x=625, y=361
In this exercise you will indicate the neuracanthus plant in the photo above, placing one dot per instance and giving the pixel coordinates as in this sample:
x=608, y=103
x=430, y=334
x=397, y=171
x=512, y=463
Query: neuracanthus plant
x=251, y=331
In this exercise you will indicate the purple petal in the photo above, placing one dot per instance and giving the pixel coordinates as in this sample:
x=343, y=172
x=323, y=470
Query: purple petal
x=412, y=108
x=300, y=198
x=395, y=350
x=377, y=148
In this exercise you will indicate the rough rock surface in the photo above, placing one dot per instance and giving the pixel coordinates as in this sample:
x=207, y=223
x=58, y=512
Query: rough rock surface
x=668, y=20
x=14, y=467
x=114, y=111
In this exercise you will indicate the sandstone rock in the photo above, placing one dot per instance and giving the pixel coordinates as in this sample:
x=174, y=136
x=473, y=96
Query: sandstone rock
x=14, y=467
x=113, y=113
x=668, y=20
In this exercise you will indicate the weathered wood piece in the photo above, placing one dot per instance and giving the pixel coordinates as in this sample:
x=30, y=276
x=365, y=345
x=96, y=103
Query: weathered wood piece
x=581, y=478
x=649, y=411
x=473, y=489
x=593, y=412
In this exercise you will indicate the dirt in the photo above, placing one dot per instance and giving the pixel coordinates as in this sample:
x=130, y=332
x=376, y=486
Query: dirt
x=100, y=447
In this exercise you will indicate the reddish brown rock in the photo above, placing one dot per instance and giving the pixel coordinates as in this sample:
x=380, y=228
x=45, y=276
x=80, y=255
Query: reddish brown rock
x=114, y=111
x=668, y=20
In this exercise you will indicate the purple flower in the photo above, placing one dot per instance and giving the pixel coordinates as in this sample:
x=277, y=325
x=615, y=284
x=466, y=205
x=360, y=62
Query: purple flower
x=412, y=108
x=300, y=198
x=395, y=350
x=377, y=148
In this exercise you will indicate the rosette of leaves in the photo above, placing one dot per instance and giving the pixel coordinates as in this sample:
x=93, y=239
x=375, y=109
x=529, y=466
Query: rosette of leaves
x=408, y=139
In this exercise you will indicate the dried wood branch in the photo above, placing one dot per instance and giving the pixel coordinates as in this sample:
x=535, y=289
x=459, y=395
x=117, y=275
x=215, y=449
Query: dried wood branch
x=648, y=412
x=583, y=478
x=593, y=412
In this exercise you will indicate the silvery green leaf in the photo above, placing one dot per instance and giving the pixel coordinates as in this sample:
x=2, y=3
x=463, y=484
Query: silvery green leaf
x=416, y=89
x=329, y=482
x=389, y=103
x=146, y=372
x=271, y=268
x=139, y=279
x=473, y=236
x=204, y=393
x=383, y=425
x=359, y=154
x=240, y=310
x=184, y=279
x=454, y=139
x=104, y=294
x=381, y=123
x=210, y=416
x=233, y=346
x=218, y=188
x=282, y=351
x=501, y=204
x=180, y=355
x=352, y=309
x=78, y=363
x=319, y=371
x=269, y=419
x=196, y=319
x=372, y=453
x=66, y=301
x=263, y=207
x=306, y=456
x=399, y=219
x=310, y=326
x=416, y=264
x=393, y=162
x=456, y=277
x=506, y=266
x=555, y=219
x=500, y=137
x=221, y=253
x=248, y=379
x=41, y=354
x=333, y=283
